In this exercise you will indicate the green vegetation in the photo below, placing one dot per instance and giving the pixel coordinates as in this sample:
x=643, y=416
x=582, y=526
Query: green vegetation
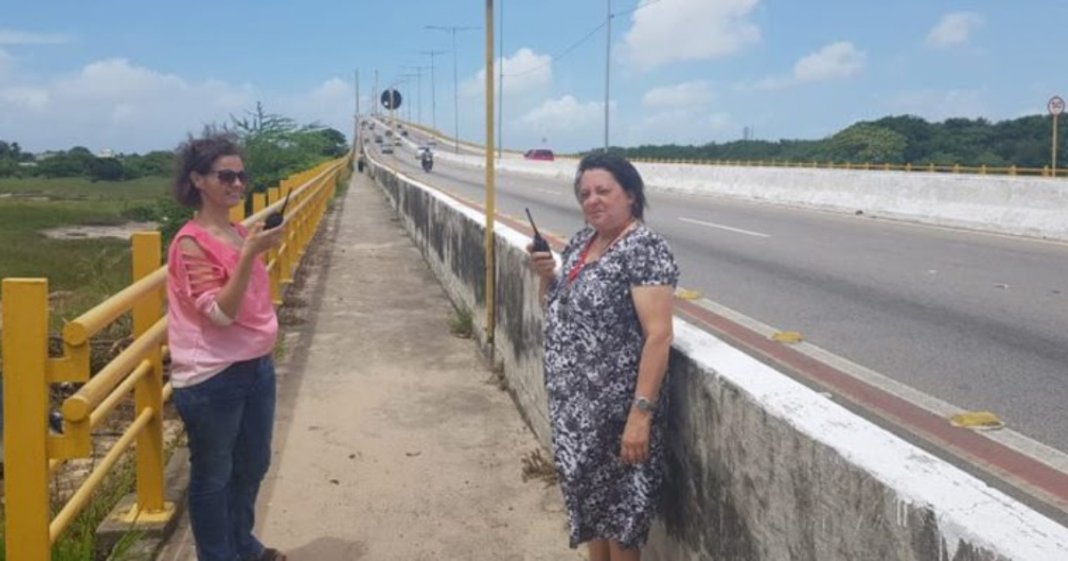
x=75, y=188
x=78, y=542
x=461, y=324
x=1023, y=142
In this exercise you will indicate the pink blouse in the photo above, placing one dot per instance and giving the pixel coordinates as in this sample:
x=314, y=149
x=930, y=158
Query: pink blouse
x=200, y=347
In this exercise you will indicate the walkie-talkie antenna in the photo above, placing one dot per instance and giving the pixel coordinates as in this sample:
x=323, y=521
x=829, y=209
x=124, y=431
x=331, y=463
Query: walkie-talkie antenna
x=539, y=242
x=275, y=219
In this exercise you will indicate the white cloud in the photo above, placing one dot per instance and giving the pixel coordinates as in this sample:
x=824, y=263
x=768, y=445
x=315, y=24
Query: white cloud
x=837, y=60
x=116, y=78
x=16, y=37
x=25, y=98
x=7, y=63
x=954, y=29
x=330, y=104
x=524, y=71
x=840, y=59
x=698, y=92
x=938, y=105
x=116, y=104
x=682, y=125
x=564, y=114
x=665, y=32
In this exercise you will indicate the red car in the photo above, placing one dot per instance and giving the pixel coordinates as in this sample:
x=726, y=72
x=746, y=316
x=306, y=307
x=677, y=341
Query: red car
x=539, y=154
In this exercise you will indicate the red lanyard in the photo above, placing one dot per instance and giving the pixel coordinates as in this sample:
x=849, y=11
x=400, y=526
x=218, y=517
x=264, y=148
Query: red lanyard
x=573, y=273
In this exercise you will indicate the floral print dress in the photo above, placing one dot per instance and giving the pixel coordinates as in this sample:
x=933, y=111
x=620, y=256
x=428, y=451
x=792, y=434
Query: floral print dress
x=593, y=344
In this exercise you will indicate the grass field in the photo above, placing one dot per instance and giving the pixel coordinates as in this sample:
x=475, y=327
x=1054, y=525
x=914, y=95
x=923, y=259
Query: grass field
x=80, y=272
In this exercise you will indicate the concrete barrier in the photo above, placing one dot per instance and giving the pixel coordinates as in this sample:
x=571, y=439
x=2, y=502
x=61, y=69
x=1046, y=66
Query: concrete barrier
x=1027, y=206
x=760, y=466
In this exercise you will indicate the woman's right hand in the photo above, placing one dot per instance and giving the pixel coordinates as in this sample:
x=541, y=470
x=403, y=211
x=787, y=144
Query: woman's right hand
x=259, y=239
x=542, y=262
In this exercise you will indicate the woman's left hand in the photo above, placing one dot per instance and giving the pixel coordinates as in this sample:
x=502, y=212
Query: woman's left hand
x=634, y=448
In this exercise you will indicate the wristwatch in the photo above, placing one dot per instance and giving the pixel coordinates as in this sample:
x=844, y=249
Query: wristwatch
x=644, y=405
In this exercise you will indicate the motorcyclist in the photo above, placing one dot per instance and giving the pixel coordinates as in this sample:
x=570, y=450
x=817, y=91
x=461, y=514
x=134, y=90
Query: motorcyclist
x=426, y=158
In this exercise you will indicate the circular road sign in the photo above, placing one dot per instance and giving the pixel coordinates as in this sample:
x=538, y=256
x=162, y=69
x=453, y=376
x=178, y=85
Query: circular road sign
x=1055, y=105
x=391, y=99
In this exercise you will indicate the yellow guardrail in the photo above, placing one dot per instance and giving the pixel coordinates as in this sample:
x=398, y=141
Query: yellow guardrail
x=33, y=454
x=929, y=168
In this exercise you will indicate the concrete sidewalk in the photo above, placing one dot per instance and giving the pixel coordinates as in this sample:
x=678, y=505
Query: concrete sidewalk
x=393, y=440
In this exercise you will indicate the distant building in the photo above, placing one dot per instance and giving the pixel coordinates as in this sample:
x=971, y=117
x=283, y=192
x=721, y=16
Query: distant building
x=105, y=153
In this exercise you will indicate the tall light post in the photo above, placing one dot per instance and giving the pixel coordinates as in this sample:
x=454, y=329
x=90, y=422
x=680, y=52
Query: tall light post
x=491, y=209
x=500, y=82
x=433, y=93
x=418, y=90
x=607, y=66
x=455, y=75
x=407, y=79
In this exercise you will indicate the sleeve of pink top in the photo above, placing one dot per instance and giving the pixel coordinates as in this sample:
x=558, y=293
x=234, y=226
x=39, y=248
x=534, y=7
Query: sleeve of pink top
x=200, y=279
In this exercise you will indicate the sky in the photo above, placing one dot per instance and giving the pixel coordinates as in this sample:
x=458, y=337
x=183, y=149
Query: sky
x=140, y=76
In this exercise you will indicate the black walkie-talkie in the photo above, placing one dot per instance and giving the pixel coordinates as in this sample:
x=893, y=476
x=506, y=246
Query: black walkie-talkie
x=539, y=242
x=274, y=220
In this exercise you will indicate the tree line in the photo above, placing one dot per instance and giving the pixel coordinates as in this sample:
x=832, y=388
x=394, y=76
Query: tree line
x=275, y=146
x=1023, y=142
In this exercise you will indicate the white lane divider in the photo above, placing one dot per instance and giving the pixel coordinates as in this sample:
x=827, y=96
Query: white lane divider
x=722, y=227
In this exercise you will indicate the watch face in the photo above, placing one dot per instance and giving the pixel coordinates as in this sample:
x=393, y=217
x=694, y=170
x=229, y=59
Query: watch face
x=643, y=405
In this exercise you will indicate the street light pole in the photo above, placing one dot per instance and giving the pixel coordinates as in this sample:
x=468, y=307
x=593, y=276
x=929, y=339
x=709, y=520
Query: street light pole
x=490, y=250
x=418, y=91
x=433, y=92
x=455, y=76
x=607, y=67
x=500, y=83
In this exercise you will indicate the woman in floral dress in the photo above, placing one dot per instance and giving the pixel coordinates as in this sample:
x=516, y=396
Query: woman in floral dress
x=608, y=314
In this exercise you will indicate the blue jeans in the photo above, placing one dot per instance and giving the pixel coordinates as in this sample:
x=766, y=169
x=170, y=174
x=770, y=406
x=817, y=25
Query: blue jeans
x=228, y=419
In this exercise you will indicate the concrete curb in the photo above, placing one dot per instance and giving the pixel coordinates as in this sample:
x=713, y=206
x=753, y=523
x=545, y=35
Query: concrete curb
x=153, y=536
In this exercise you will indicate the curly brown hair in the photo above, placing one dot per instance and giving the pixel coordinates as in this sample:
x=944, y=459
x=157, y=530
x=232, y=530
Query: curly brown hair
x=199, y=155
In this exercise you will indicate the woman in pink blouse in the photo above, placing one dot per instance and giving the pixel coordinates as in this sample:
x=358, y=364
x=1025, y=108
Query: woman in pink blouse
x=222, y=329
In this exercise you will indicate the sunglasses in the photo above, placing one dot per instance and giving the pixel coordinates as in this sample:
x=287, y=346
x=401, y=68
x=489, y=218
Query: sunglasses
x=229, y=176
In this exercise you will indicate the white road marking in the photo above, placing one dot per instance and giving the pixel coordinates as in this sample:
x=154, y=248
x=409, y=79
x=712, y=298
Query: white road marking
x=550, y=191
x=722, y=227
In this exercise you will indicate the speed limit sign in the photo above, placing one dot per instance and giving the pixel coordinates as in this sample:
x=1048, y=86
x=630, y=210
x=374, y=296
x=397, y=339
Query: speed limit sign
x=1055, y=105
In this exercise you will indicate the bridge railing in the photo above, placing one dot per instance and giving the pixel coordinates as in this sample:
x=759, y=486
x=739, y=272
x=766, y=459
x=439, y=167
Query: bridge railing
x=33, y=455
x=868, y=166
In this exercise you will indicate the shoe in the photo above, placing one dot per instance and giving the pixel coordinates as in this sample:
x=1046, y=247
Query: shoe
x=269, y=554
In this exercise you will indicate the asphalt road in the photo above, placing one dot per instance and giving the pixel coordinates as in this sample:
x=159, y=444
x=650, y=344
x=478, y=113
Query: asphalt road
x=974, y=319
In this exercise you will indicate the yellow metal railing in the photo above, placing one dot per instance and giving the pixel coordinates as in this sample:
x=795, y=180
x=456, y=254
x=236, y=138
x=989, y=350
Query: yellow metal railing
x=32, y=455
x=867, y=166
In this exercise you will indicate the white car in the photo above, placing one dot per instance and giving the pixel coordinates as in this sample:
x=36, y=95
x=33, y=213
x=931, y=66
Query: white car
x=420, y=151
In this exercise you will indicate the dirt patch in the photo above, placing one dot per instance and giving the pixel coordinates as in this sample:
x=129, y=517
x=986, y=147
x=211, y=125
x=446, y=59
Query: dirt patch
x=121, y=231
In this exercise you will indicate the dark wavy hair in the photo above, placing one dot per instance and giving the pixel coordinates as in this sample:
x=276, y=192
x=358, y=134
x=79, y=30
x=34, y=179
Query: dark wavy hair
x=624, y=173
x=199, y=155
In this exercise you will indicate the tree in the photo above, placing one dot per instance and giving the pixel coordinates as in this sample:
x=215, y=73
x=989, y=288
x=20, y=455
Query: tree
x=106, y=169
x=868, y=143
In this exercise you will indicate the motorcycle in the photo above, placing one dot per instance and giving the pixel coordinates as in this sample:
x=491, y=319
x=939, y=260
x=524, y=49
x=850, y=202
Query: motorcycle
x=428, y=162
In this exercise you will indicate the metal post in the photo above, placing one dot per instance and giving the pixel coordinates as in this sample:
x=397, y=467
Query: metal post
x=607, y=66
x=455, y=93
x=491, y=267
x=148, y=394
x=500, y=83
x=1054, y=154
x=455, y=78
x=25, y=304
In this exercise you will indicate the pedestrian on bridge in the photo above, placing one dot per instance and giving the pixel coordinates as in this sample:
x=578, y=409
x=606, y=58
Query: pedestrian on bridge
x=608, y=314
x=221, y=332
